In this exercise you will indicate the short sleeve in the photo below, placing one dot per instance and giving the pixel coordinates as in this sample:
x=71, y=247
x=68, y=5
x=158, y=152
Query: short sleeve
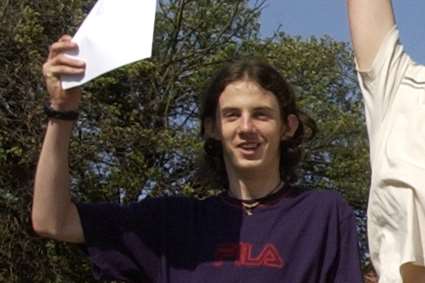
x=123, y=243
x=348, y=264
x=380, y=83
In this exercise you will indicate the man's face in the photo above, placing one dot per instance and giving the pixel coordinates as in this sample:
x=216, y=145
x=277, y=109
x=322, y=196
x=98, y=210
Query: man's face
x=250, y=128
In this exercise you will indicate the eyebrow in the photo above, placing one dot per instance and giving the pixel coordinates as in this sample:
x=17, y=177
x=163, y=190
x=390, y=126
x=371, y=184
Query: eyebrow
x=264, y=108
x=261, y=108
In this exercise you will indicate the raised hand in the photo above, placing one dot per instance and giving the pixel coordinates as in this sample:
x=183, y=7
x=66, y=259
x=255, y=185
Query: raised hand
x=59, y=64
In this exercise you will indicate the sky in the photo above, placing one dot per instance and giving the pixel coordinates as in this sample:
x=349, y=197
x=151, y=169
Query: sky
x=319, y=17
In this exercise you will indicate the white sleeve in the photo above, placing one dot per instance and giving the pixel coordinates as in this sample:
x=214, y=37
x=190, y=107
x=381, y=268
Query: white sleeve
x=380, y=83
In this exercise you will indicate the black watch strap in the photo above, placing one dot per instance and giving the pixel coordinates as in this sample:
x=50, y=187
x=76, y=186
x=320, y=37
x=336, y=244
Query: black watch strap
x=60, y=115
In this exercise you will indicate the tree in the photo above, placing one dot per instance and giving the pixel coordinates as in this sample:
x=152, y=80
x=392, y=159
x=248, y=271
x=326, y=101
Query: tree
x=138, y=131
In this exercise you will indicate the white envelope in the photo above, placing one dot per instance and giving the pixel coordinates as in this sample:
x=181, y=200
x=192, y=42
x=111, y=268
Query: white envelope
x=114, y=34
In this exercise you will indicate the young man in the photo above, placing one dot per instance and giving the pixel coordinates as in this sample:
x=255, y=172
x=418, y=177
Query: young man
x=393, y=87
x=260, y=229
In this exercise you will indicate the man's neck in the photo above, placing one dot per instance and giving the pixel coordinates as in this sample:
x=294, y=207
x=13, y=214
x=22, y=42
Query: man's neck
x=249, y=185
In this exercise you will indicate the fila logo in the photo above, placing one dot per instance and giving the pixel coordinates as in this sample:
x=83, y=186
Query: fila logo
x=241, y=254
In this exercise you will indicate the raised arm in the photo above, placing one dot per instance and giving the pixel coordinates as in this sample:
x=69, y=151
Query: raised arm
x=370, y=21
x=53, y=213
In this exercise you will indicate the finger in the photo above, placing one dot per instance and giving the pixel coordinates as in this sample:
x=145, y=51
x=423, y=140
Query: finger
x=57, y=71
x=65, y=37
x=66, y=70
x=60, y=47
x=68, y=61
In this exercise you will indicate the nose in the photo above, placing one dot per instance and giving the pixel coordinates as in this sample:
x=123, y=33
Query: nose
x=247, y=125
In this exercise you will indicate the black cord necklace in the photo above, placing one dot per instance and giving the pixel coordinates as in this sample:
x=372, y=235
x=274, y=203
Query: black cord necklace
x=249, y=204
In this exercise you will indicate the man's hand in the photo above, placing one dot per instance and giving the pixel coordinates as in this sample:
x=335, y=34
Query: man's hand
x=59, y=64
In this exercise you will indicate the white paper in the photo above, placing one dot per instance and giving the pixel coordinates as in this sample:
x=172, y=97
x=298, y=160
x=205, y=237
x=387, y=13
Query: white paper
x=114, y=34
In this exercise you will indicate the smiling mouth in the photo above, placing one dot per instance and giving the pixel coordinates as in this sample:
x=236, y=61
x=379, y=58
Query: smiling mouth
x=249, y=147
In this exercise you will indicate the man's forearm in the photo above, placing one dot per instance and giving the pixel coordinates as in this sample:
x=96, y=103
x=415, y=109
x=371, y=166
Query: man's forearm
x=51, y=191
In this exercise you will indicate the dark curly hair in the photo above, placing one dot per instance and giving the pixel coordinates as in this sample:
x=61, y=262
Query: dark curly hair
x=265, y=75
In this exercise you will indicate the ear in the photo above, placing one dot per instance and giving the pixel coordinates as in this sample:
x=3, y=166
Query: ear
x=292, y=124
x=210, y=130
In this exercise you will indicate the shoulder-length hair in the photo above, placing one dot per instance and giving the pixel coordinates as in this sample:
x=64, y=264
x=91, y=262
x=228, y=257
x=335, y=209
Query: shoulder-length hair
x=212, y=169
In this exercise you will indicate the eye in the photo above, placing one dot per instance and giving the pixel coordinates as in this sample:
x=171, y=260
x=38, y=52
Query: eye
x=262, y=115
x=230, y=115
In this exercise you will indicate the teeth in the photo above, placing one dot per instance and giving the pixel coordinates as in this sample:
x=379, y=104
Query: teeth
x=249, y=146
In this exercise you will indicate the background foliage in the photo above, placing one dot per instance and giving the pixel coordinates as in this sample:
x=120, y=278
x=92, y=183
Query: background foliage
x=138, y=132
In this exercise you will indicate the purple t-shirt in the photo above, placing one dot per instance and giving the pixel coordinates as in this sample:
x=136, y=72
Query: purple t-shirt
x=302, y=237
